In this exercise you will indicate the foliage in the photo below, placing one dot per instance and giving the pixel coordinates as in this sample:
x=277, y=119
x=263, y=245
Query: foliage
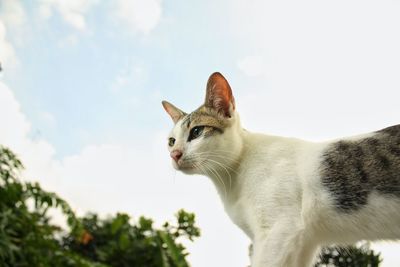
x=361, y=256
x=26, y=235
x=28, y=238
x=116, y=242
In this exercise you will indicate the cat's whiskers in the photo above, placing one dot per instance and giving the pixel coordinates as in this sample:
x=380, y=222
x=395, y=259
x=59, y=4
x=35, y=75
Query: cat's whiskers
x=216, y=174
x=206, y=168
x=224, y=167
x=210, y=153
x=203, y=156
x=207, y=163
x=199, y=166
x=226, y=170
x=225, y=158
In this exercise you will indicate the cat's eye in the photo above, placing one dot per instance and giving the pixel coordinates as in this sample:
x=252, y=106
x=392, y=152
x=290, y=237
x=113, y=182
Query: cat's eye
x=195, y=132
x=171, y=141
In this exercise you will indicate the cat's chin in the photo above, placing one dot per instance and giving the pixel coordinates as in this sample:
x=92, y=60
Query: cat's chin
x=186, y=169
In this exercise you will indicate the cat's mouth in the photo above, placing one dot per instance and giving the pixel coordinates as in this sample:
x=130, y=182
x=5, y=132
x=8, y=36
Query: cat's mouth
x=184, y=166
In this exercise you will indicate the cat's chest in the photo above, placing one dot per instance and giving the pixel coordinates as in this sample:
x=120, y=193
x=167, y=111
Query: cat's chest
x=265, y=193
x=252, y=209
x=240, y=214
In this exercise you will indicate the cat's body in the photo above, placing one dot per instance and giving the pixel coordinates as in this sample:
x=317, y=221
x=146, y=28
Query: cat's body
x=291, y=196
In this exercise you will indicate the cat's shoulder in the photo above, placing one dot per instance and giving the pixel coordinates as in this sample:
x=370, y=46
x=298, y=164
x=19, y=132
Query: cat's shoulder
x=392, y=130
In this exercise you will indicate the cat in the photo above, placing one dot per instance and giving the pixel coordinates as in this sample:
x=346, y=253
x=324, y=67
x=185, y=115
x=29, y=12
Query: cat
x=290, y=196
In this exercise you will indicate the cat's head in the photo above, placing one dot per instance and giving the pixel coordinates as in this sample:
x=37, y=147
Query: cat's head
x=207, y=139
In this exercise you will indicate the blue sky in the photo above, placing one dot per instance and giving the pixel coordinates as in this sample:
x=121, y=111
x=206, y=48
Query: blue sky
x=73, y=75
x=83, y=80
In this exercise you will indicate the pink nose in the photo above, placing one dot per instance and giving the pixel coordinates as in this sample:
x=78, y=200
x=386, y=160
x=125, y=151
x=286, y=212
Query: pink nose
x=176, y=155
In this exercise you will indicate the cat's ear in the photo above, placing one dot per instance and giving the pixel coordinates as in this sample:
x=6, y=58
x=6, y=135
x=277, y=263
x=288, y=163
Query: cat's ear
x=175, y=113
x=219, y=95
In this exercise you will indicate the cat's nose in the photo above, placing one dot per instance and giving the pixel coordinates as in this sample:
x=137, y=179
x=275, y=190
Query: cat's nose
x=176, y=155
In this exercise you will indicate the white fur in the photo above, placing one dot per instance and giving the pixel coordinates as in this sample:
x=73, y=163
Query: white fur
x=271, y=189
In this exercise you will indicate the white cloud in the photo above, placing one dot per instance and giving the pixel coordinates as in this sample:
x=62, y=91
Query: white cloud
x=37, y=155
x=72, y=11
x=139, y=15
x=12, y=12
x=15, y=18
x=15, y=127
x=45, y=11
x=7, y=53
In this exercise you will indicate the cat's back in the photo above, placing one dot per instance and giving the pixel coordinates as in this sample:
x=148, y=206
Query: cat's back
x=277, y=157
x=354, y=169
x=267, y=148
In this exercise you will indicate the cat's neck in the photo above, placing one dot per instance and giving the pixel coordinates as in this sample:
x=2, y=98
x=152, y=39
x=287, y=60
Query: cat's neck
x=225, y=178
x=250, y=148
x=226, y=173
x=224, y=169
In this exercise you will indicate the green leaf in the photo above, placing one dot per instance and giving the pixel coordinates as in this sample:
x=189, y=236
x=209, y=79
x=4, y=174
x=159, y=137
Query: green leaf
x=124, y=241
x=177, y=257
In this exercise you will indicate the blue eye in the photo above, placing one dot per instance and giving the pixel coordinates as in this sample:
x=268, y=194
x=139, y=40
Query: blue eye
x=195, y=132
x=171, y=141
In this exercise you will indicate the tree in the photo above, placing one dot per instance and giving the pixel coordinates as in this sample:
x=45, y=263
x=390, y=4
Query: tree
x=116, y=242
x=27, y=238
x=354, y=256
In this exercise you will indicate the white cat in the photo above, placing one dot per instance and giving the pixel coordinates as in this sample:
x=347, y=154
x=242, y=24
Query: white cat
x=288, y=195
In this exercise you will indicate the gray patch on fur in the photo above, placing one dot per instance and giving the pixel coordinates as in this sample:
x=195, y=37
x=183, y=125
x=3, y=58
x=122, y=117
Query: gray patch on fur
x=352, y=170
x=204, y=116
x=186, y=121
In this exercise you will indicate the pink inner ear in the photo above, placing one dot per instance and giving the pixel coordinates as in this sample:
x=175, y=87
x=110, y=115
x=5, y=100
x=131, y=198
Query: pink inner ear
x=219, y=94
x=175, y=113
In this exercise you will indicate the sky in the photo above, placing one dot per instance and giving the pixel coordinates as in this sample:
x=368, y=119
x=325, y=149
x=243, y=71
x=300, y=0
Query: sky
x=83, y=80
